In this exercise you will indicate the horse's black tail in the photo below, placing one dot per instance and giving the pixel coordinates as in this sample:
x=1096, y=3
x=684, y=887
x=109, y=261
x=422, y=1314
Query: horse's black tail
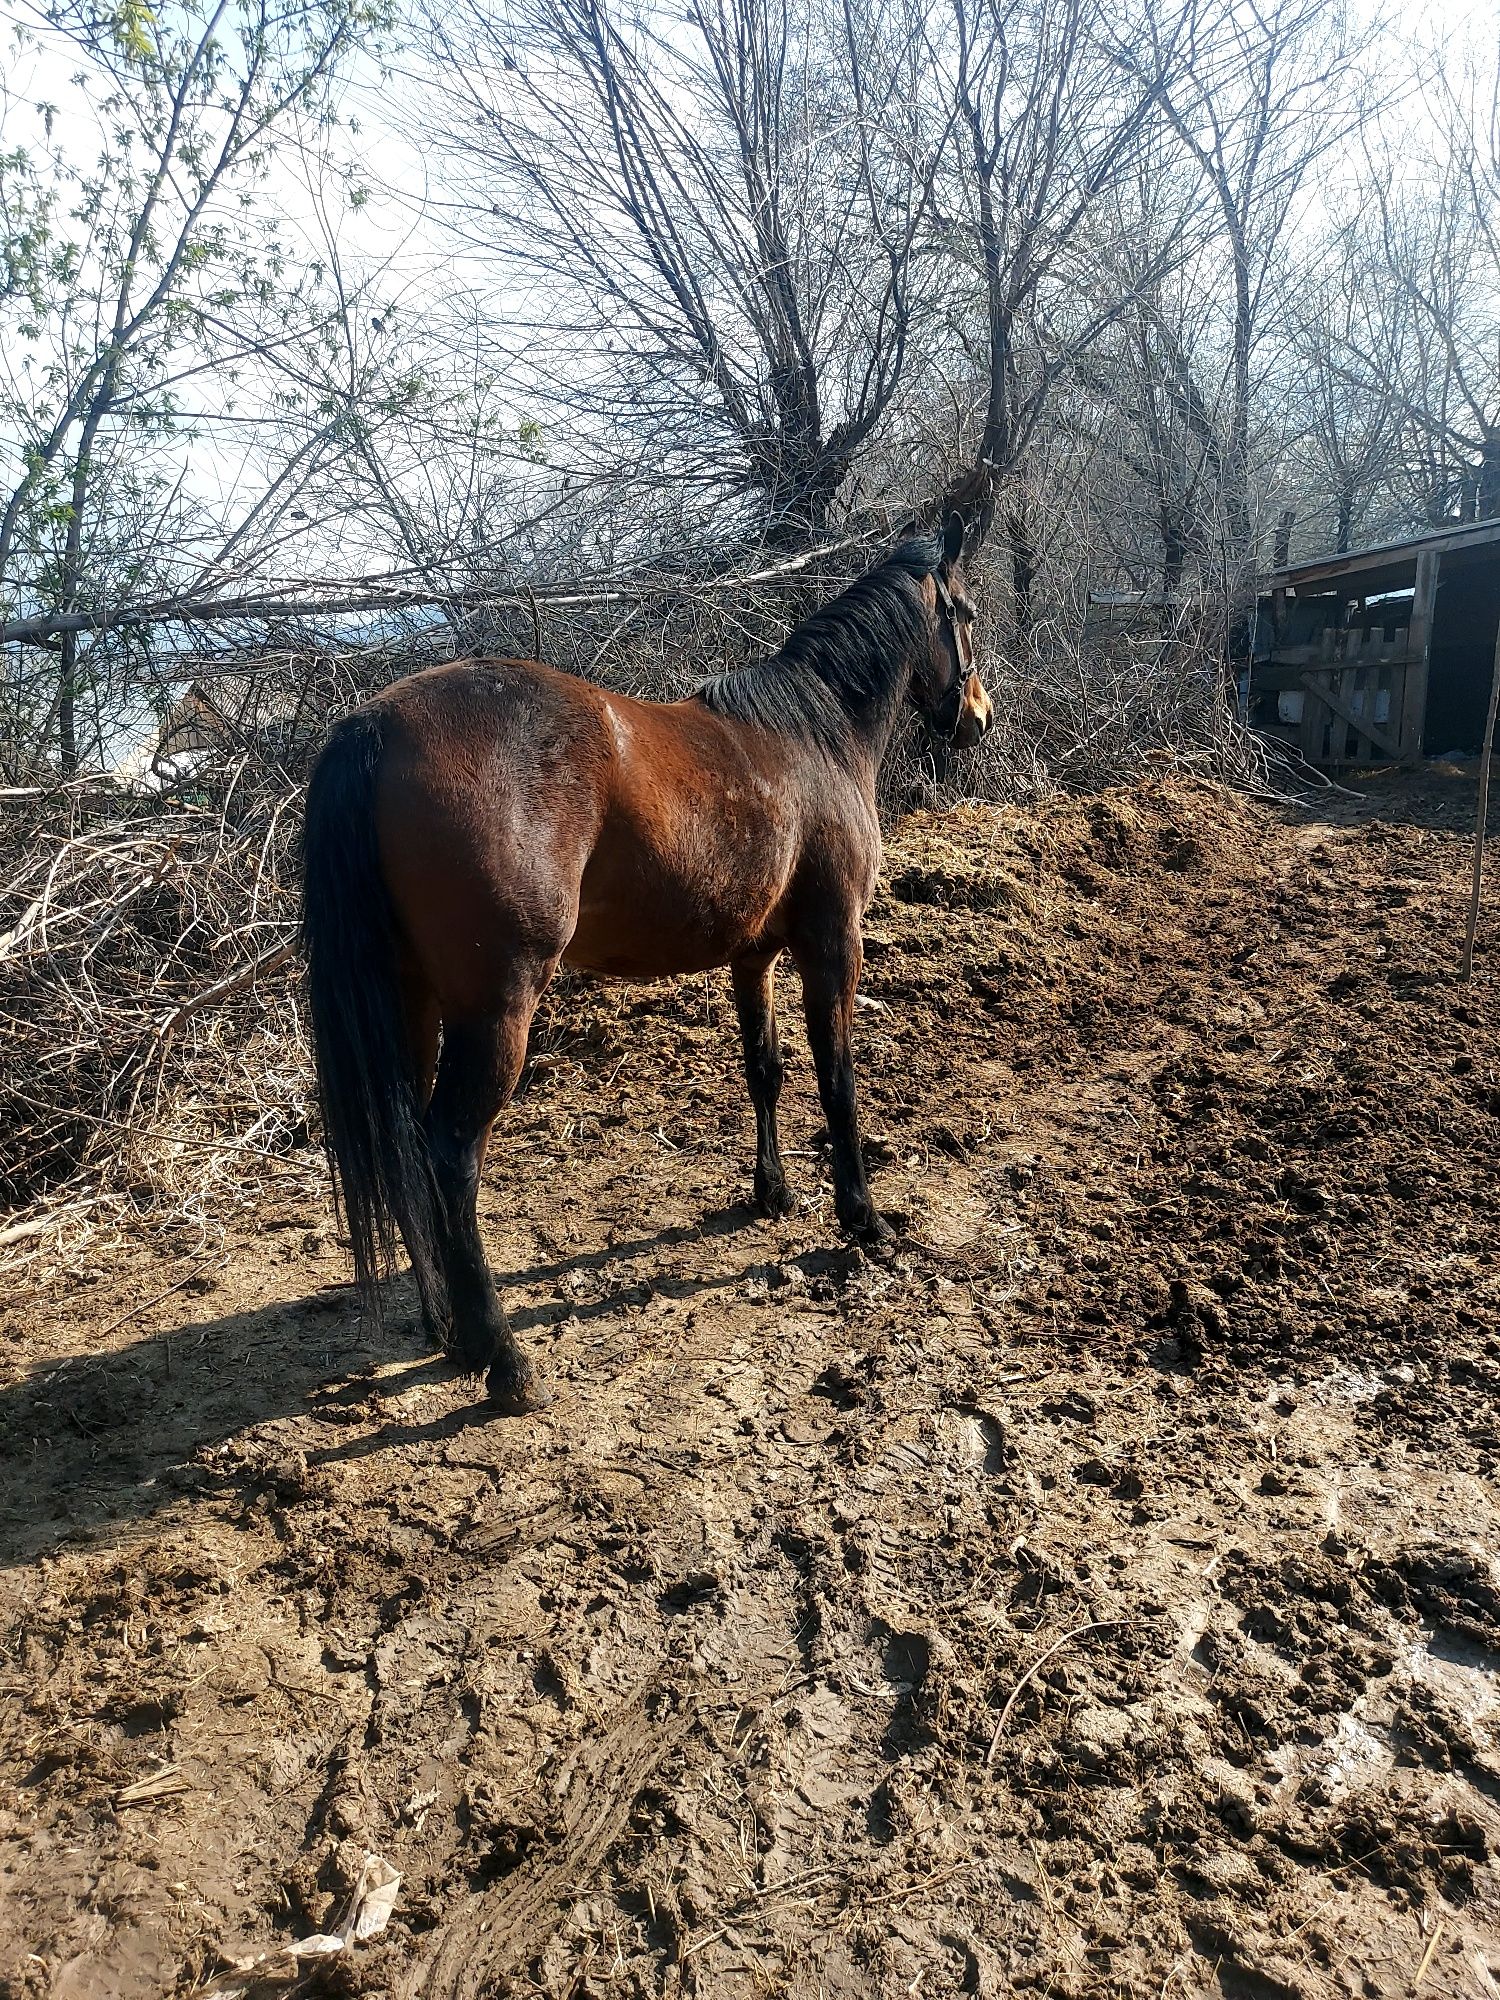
x=377, y=1150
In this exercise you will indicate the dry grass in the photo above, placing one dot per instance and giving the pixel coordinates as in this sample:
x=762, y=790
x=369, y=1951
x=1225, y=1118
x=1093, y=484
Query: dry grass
x=151, y=1055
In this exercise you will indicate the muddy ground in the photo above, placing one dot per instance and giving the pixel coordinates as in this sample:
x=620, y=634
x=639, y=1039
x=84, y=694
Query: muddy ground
x=1099, y=1597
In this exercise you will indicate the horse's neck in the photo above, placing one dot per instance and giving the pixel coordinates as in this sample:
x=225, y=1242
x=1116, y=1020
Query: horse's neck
x=873, y=719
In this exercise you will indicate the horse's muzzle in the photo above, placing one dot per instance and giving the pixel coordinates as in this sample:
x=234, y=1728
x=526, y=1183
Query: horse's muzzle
x=974, y=716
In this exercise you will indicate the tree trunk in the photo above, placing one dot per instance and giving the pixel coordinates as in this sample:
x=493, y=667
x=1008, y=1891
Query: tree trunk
x=1173, y=562
x=1345, y=524
x=1022, y=571
x=72, y=572
x=67, y=714
x=1487, y=500
x=1237, y=470
x=1281, y=553
x=802, y=499
x=973, y=494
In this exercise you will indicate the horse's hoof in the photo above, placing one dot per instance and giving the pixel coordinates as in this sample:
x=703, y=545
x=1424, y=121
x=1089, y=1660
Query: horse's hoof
x=774, y=1199
x=515, y=1392
x=871, y=1230
x=472, y=1359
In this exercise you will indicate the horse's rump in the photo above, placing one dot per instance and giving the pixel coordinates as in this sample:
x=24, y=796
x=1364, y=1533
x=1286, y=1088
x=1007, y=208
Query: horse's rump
x=488, y=802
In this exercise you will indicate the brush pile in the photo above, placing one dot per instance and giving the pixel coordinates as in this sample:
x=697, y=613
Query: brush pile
x=150, y=1049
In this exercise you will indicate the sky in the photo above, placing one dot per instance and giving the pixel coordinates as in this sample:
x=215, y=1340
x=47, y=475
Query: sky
x=378, y=139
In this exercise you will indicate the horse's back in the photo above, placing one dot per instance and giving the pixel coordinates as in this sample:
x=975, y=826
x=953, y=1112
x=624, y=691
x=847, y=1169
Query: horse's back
x=701, y=836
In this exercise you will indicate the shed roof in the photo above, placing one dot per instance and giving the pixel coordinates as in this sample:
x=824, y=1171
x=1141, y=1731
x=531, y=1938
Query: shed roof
x=1389, y=563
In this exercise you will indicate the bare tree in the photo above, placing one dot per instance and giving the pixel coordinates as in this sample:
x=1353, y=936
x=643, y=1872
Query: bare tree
x=1261, y=94
x=1350, y=446
x=1437, y=254
x=138, y=284
x=1160, y=511
x=705, y=227
x=1052, y=109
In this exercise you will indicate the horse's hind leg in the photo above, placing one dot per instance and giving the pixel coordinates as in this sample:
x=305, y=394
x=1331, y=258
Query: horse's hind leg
x=478, y=1069
x=755, y=1000
x=419, y=1005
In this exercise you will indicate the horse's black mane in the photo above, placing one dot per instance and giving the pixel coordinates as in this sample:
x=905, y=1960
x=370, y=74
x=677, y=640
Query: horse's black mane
x=838, y=660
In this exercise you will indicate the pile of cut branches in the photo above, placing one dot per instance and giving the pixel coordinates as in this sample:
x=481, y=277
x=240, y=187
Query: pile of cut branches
x=151, y=1059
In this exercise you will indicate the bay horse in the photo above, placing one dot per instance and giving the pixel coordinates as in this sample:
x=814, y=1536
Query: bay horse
x=478, y=824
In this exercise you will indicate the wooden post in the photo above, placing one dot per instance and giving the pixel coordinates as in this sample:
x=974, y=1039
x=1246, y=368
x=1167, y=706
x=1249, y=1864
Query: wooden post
x=1418, y=652
x=1466, y=971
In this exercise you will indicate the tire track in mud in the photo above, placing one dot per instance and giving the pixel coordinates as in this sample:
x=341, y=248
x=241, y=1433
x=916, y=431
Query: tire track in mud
x=490, y=1940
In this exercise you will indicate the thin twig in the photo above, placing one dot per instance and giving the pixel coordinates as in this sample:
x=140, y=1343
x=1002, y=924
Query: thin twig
x=224, y=989
x=1094, y=1625
x=145, y=1305
x=1432, y=1944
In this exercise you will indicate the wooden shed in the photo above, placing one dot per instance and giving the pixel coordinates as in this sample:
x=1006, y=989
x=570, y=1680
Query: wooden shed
x=1380, y=655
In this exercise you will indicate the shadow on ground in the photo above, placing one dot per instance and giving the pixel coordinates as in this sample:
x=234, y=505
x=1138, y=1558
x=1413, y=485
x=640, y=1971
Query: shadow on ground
x=147, y=1409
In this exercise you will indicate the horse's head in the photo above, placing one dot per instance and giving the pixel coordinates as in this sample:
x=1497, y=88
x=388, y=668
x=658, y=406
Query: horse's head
x=946, y=685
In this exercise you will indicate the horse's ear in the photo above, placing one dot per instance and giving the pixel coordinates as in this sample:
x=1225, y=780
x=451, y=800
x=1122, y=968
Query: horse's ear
x=953, y=538
x=908, y=532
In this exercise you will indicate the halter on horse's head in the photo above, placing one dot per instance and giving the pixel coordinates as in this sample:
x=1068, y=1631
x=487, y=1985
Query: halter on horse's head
x=947, y=689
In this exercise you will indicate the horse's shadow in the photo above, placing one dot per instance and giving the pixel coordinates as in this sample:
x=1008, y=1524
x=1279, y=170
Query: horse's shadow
x=99, y=1443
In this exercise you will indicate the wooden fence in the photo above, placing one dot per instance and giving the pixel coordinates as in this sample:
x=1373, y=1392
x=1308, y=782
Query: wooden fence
x=1359, y=694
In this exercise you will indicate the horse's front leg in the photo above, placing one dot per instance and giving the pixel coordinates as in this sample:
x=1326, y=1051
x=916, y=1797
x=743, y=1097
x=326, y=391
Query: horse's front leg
x=754, y=982
x=830, y=968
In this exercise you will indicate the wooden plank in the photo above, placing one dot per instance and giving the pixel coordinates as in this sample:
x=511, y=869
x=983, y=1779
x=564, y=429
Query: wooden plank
x=1274, y=675
x=1314, y=721
x=1375, y=734
x=1295, y=656
x=1340, y=699
x=1419, y=652
x=1318, y=656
